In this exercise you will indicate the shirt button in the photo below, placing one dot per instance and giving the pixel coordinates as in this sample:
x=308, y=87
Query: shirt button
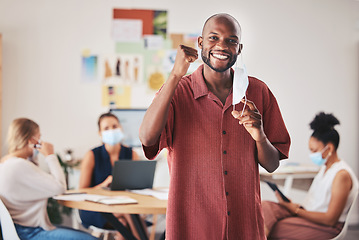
x=224, y=132
x=227, y=193
x=224, y=152
x=228, y=212
x=225, y=172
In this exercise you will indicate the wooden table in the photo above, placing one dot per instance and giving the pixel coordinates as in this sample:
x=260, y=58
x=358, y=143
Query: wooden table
x=145, y=205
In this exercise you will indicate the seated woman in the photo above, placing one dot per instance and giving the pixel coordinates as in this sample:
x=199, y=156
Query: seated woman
x=25, y=187
x=326, y=205
x=96, y=168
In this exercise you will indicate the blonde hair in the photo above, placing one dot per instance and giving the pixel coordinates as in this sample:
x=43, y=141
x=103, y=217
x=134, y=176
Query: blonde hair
x=19, y=133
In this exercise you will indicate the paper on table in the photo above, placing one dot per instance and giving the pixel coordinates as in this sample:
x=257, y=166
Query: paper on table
x=71, y=197
x=161, y=194
x=110, y=199
x=97, y=198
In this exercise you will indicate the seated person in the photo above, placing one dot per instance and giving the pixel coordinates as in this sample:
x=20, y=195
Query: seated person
x=25, y=187
x=96, y=168
x=331, y=194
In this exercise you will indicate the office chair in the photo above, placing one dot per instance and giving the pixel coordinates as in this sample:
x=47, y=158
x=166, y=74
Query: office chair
x=344, y=230
x=95, y=231
x=7, y=225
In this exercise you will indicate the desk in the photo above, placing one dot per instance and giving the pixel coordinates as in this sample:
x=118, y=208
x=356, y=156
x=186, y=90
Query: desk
x=289, y=173
x=145, y=205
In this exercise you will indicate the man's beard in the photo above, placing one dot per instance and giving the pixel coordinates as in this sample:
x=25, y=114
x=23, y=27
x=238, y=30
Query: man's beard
x=206, y=60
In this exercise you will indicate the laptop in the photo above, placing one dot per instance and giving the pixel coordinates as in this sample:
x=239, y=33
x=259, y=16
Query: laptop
x=128, y=174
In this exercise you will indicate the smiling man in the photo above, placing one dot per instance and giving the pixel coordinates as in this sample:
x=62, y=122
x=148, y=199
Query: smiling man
x=213, y=152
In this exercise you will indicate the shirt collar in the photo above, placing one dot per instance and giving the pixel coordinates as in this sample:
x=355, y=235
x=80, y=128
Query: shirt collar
x=199, y=86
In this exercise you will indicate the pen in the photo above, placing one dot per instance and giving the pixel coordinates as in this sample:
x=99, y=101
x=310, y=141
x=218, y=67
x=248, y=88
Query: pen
x=71, y=193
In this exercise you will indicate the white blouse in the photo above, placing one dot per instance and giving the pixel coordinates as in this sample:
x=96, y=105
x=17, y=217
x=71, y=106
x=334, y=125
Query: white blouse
x=320, y=191
x=25, y=188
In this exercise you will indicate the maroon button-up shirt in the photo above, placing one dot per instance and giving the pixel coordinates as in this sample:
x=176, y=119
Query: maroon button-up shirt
x=214, y=179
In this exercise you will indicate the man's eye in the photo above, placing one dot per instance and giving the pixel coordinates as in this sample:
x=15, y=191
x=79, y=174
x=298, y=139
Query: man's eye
x=233, y=41
x=213, y=38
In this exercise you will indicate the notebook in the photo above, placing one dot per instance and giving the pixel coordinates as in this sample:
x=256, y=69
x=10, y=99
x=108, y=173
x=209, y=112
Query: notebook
x=128, y=174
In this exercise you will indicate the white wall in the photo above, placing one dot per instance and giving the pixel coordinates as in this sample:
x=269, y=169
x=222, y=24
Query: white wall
x=306, y=51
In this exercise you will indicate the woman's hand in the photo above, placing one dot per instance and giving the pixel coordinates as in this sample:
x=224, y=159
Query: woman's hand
x=46, y=149
x=291, y=207
x=106, y=182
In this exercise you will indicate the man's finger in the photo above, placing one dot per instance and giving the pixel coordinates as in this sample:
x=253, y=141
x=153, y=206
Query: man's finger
x=191, y=52
x=250, y=104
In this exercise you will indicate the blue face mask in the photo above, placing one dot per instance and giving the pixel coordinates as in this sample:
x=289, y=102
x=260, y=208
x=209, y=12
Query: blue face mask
x=112, y=136
x=317, y=157
x=35, y=152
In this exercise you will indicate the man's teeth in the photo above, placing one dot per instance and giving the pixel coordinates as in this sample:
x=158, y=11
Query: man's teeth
x=219, y=56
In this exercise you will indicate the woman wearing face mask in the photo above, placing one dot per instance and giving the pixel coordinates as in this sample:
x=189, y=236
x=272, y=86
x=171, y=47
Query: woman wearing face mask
x=96, y=167
x=324, y=210
x=25, y=188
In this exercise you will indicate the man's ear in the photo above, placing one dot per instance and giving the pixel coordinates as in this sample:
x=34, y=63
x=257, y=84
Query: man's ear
x=200, y=42
x=240, y=48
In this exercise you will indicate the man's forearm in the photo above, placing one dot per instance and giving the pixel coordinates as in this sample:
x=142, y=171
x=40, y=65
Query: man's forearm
x=268, y=155
x=156, y=115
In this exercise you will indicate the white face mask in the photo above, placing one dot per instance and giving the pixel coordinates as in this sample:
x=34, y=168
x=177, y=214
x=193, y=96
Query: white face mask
x=112, y=136
x=240, y=83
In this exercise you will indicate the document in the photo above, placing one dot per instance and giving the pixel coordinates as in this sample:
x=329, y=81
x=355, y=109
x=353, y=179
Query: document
x=161, y=194
x=110, y=200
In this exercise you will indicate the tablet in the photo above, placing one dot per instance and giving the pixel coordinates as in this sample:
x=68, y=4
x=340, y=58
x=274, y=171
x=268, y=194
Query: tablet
x=274, y=187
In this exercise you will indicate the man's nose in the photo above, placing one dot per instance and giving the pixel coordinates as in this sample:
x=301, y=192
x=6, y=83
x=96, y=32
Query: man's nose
x=222, y=44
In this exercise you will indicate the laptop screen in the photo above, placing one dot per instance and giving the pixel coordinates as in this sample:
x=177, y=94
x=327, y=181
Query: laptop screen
x=128, y=174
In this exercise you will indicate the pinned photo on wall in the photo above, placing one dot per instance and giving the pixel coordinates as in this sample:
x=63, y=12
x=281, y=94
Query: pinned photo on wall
x=154, y=22
x=121, y=69
x=189, y=40
x=89, y=69
x=169, y=60
x=127, y=30
x=116, y=96
x=156, y=77
x=160, y=23
x=153, y=42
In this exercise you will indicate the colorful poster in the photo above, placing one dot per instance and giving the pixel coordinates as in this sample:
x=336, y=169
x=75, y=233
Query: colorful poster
x=160, y=23
x=121, y=69
x=116, y=96
x=153, y=60
x=153, y=42
x=154, y=21
x=133, y=75
x=127, y=30
x=89, y=67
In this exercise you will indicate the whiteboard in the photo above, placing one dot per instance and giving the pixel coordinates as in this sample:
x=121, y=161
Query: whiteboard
x=130, y=120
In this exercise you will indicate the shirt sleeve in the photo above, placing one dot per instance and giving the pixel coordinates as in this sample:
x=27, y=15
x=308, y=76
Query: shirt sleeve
x=37, y=184
x=165, y=139
x=274, y=126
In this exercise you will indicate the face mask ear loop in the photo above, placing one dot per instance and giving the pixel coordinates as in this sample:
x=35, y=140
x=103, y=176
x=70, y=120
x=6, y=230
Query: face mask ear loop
x=244, y=106
x=323, y=150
